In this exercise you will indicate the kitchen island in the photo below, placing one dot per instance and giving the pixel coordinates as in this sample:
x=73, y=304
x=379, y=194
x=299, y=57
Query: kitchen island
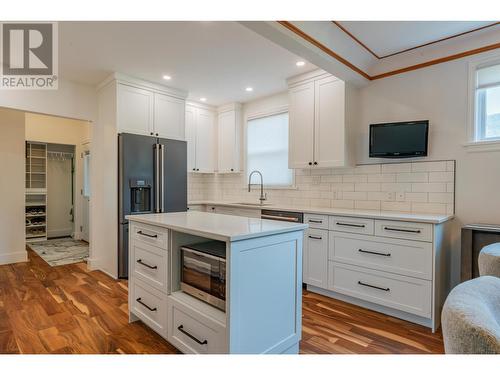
x=253, y=270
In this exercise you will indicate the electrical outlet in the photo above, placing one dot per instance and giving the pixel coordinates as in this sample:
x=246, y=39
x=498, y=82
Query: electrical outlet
x=400, y=196
x=391, y=196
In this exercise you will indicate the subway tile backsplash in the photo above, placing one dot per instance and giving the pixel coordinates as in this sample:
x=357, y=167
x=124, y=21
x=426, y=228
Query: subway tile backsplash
x=420, y=187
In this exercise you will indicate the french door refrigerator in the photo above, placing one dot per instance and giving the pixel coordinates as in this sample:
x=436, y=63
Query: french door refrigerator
x=152, y=178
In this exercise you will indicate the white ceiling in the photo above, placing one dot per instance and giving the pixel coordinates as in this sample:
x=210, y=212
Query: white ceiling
x=216, y=60
x=386, y=37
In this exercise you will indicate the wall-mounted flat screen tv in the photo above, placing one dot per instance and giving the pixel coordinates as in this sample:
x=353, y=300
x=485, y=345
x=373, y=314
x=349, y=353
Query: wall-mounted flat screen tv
x=399, y=139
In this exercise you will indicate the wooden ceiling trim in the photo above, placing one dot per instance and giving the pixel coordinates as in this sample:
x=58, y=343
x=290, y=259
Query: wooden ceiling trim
x=342, y=60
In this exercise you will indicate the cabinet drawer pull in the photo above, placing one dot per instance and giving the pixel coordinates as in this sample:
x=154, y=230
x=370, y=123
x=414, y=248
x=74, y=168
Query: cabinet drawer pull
x=316, y=237
x=316, y=221
x=146, y=265
x=146, y=306
x=373, y=286
x=351, y=225
x=403, y=230
x=181, y=328
x=147, y=235
x=374, y=253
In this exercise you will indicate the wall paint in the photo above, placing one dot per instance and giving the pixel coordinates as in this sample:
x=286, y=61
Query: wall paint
x=51, y=129
x=12, y=153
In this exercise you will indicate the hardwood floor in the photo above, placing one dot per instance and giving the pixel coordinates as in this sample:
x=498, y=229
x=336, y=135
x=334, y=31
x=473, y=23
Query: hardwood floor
x=67, y=309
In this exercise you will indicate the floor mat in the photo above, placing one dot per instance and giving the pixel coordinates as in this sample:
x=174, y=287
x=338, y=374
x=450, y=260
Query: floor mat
x=61, y=251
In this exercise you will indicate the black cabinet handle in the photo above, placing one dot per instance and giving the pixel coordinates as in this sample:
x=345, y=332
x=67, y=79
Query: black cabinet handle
x=147, y=235
x=374, y=253
x=403, y=230
x=316, y=238
x=232, y=170
x=146, y=306
x=315, y=163
x=310, y=163
x=157, y=134
x=146, y=265
x=181, y=328
x=316, y=221
x=351, y=225
x=373, y=286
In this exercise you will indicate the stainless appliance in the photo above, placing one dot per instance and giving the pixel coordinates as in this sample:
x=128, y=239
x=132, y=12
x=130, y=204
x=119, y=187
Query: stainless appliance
x=152, y=178
x=293, y=217
x=203, y=272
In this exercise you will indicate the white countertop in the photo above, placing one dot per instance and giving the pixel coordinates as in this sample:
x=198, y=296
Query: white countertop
x=217, y=226
x=371, y=214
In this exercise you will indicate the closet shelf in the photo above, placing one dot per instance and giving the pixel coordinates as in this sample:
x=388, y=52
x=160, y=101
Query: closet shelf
x=36, y=225
x=36, y=215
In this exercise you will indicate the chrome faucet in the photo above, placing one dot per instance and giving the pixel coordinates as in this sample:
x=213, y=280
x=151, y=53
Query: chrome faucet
x=263, y=196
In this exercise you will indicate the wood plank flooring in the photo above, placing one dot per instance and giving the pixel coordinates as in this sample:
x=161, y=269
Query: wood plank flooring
x=68, y=309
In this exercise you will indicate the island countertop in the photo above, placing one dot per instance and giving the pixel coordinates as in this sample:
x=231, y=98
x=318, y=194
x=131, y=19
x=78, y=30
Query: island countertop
x=217, y=226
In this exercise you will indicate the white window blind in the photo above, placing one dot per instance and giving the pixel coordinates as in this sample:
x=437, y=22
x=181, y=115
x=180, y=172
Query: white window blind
x=267, y=149
x=487, y=108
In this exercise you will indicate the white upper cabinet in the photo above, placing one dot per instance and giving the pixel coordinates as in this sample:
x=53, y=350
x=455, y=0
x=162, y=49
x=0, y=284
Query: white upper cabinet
x=201, y=139
x=135, y=110
x=229, y=138
x=329, y=123
x=301, y=126
x=147, y=109
x=317, y=121
x=169, y=117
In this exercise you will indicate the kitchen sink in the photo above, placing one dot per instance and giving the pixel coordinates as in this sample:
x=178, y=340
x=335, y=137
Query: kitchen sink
x=254, y=204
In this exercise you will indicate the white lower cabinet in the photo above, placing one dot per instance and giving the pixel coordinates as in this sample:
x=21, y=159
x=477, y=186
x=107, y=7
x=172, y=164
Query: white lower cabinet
x=316, y=258
x=190, y=330
x=149, y=305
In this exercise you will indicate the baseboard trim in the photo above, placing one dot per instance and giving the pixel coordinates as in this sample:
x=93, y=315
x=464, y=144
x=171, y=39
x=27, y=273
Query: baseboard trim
x=9, y=258
x=373, y=306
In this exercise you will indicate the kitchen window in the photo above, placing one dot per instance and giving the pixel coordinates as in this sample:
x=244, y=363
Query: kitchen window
x=486, y=116
x=267, y=149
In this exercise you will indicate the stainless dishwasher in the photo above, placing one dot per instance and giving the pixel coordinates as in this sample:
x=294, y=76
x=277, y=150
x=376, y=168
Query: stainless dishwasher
x=292, y=217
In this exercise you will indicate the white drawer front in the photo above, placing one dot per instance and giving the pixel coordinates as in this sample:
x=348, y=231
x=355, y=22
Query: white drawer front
x=351, y=224
x=192, y=333
x=150, y=306
x=403, y=229
x=316, y=221
x=315, y=265
x=150, y=235
x=150, y=265
x=398, y=292
x=407, y=258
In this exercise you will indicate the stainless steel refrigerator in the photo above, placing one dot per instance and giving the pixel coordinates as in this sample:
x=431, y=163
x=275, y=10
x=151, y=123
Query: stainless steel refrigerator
x=152, y=178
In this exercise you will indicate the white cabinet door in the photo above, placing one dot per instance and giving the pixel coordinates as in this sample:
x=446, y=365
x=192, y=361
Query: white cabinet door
x=301, y=132
x=205, y=141
x=329, y=123
x=169, y=117
x=191, y=137
x=135, y=110
x=228, y=151
x=315, y=265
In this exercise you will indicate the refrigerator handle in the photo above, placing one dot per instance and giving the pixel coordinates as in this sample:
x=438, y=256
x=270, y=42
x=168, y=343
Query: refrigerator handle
x=157, y=177
x=162, y=178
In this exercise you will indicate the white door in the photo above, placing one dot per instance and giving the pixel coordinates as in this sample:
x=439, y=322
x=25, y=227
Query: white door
x=301, y=123
x=169, y=117
x=85, y=194
x=191, y=137
x=227, y=153
x=135, y=110
x=205, y=141
x=329, y=123
x=315, y=263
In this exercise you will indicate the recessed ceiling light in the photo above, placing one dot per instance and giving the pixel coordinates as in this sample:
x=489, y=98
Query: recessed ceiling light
x=300, y=63
x=249, y=89
x=203, y=99
x=166, y=77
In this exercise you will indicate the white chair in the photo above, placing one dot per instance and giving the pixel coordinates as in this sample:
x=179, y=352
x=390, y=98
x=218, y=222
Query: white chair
x=489, y=260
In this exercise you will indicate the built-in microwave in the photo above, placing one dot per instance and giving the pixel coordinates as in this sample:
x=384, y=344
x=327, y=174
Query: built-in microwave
x=203, y=272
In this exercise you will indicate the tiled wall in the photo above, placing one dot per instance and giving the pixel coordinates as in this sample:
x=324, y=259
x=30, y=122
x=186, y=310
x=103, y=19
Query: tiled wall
x=423, y=187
